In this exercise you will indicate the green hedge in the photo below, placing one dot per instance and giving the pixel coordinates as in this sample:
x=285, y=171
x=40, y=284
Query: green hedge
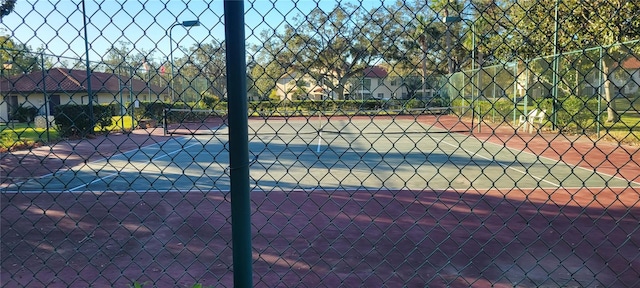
x=25, y=114
x=573, y=112
x=75, y=121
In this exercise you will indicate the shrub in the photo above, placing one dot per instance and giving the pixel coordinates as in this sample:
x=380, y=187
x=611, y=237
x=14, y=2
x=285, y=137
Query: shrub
x=150, y=110
x=73, y=120
x=573, y=112
x=209, y=100
x=25, y=114
x=414, y=103
x=103, y=115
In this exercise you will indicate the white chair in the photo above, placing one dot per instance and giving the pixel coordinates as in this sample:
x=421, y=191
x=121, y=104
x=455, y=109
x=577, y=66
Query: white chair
x=525, y=120
x=537, y=120
x=534, y=118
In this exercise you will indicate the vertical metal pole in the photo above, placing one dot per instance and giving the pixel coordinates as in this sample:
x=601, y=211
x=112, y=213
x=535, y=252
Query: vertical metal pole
x=473, y=72
x=526, y=86
x=238, y=143
x=122, y=112
x=46, y=102
x=554, y=114
x=493, y=98
x=171, y=62
x=448, y=42
x=515, y=90
x=130, y=107
x=164, y=121
x=86, y=49
x=599, y=93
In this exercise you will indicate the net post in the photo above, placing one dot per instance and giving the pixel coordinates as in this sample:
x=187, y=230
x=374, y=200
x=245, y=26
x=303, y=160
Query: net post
x=164, y=121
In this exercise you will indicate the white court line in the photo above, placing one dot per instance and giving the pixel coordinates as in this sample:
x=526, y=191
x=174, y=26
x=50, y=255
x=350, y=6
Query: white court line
x=538, y=157
x=99, y=160
x=124, y=169
x=85, y=164
x=503, y=165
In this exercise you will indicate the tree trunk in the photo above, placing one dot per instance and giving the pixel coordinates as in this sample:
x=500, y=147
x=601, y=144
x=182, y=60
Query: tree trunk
x=612, y=114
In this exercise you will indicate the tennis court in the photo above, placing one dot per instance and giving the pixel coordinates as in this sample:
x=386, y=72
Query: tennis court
x=351, y=200
x=332, y=153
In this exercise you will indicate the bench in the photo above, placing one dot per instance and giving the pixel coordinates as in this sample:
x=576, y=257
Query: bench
x=534, y=118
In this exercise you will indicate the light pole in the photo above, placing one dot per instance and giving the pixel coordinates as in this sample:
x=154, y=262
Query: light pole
x=186, y=24
x=448, y=20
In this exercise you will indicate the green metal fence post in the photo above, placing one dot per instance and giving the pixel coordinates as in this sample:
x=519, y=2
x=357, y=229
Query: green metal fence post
x=238, y=143
x=45, y=95
x=555, y=69
x=86, y=49
x=600, y=80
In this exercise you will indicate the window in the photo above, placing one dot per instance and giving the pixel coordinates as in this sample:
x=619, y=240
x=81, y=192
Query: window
x=366, y=84
x=380, y=95
x=394, y=82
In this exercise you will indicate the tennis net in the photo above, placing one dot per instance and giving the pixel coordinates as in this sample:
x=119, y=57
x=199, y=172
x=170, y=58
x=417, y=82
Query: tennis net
x=183, y=121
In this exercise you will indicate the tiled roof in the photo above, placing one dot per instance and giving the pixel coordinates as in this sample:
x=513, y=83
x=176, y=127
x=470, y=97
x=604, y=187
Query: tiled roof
x=72, y=81
x=631, y=63
x=375, y=72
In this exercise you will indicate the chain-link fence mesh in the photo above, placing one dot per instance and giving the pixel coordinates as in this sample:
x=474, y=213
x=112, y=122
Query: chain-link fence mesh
x=415, y=143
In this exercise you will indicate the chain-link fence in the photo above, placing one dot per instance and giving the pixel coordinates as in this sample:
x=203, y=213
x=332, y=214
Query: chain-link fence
x=577, y=100
x=308, y=143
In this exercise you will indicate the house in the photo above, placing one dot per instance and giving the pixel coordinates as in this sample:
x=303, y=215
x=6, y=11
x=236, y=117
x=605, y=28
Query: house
x=626, y=78
x=47, y=89
x=296, y=86
x=374, y=83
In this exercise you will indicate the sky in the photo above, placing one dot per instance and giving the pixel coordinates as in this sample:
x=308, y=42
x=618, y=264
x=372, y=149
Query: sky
x=57, y=25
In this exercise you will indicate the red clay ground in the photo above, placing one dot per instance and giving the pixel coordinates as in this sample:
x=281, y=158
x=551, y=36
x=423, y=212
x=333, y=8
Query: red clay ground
x=527, y=238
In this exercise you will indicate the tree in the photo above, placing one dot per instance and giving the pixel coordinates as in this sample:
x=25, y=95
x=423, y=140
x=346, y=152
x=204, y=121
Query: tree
x=6, y=7
x=581, y=25
x=265, y=77
x=426, y=34
x=334, y=46
x=209, y=60
x=20, y=57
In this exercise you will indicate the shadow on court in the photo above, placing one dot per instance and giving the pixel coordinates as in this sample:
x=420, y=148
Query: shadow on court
x=329, y=237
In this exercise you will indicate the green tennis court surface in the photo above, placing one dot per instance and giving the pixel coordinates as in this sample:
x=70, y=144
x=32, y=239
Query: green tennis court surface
x=314, y=154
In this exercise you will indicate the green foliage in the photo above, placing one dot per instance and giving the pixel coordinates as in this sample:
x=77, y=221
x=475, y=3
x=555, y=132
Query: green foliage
x=209, y=100
x=503, y=107
x=415, y=103
x=438, y=101
x=578, y=112
x=6, y=7
x=150, y=110
x=483, y=108
x=25, y=114
x=75, y=121
x=273, y=96
x=103, y=115
x=8, y=138
x=573, y=112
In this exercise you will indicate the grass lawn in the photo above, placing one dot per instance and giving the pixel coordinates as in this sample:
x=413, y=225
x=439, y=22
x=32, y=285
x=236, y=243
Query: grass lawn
x=625, y=131
x=22, y=135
